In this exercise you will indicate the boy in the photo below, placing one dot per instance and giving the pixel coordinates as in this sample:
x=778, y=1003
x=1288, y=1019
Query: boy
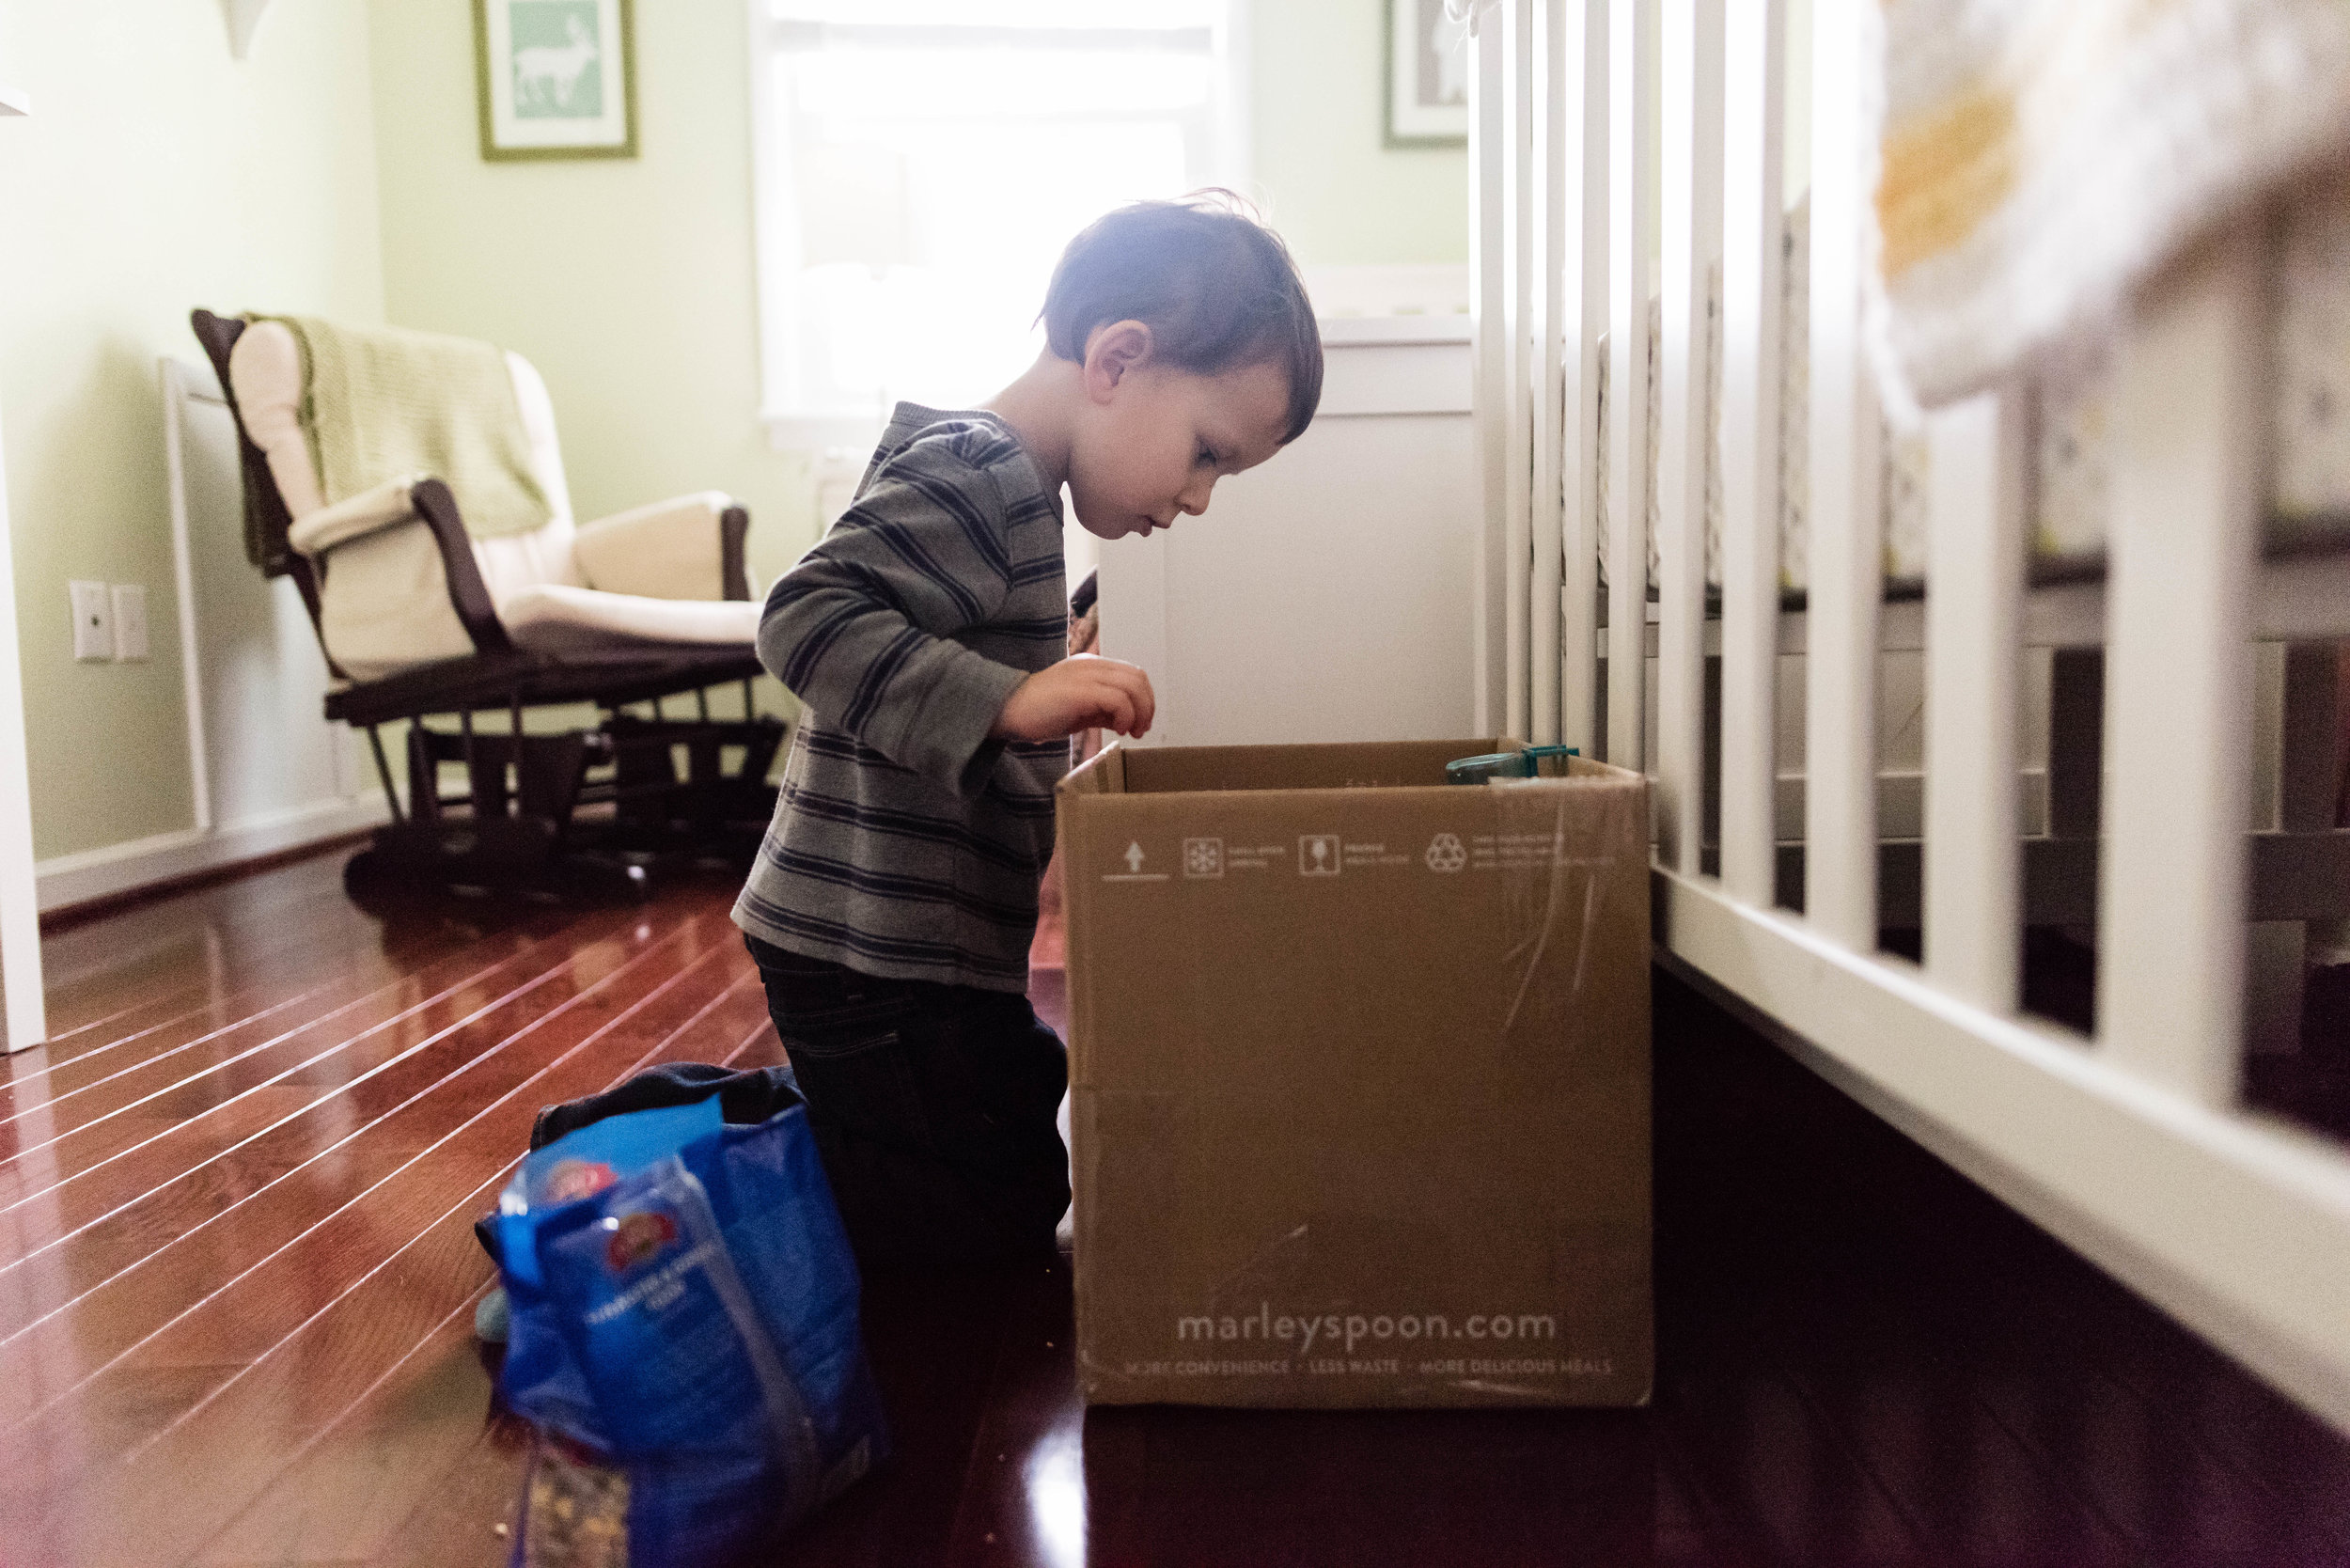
x=894, y=899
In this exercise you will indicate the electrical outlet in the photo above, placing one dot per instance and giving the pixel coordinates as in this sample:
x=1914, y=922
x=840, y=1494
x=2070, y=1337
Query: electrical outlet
x=130, y=623
x=93, y=623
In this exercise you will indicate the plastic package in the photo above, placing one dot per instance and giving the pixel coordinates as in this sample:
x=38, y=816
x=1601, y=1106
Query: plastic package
x=684, y=1336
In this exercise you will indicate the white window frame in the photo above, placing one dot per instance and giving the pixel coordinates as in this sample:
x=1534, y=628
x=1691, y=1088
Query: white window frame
x=790, y=423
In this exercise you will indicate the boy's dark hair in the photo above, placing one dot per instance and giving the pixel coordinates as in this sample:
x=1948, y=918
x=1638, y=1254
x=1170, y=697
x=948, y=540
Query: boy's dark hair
x=1216, y=288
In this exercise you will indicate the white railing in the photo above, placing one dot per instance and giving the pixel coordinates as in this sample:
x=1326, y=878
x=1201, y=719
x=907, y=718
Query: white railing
x=2133, y=1145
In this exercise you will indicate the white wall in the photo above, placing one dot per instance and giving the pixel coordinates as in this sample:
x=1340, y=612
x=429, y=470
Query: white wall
x=1326, y=595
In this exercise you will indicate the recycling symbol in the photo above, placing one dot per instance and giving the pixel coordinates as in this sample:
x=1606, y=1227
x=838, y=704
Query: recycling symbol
x=1444, y=852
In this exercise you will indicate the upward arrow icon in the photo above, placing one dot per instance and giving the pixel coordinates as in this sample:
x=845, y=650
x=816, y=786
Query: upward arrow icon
x=1133, y=858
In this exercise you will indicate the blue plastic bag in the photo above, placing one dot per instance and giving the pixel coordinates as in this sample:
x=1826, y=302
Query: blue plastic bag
x=685, y=1335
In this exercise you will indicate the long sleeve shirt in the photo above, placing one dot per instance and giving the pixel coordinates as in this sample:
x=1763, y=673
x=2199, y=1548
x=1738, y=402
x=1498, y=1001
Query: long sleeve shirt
x=906, y=843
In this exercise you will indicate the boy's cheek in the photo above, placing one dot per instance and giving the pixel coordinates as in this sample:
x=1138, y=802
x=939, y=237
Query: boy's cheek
x=1097, y=513
x=1094, y=523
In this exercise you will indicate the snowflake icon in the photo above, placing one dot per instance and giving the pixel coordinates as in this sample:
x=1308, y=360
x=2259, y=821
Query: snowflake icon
x=1203, y=857
x=1444, y=852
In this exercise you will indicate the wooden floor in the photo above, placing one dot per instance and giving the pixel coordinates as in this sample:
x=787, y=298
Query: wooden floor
x=237, y=1278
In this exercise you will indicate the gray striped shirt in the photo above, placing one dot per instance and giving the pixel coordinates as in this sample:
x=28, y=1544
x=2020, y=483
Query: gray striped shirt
x=906, y=843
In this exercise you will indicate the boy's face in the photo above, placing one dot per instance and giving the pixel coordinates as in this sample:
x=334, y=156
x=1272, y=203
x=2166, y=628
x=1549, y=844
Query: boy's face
x=1154, y=440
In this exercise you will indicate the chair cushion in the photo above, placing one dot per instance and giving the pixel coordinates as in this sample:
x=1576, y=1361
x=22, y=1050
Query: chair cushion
x=385, y=605
x=521, y=561
x=672, y=549
x=265, y=375
x=551, y=618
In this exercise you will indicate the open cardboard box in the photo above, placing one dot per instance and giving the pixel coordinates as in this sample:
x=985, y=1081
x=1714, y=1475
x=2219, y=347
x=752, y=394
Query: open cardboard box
x=1360, y=1065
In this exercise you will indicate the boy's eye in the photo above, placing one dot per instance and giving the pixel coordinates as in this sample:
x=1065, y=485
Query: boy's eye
x=1207, y=457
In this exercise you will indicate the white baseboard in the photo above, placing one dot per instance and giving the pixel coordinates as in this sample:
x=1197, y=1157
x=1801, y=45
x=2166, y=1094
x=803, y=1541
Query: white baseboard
x=98, y=873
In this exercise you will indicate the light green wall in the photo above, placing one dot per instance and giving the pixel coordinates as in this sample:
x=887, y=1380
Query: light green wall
x=156, y=174
x=1317, y=100
x=627, y=282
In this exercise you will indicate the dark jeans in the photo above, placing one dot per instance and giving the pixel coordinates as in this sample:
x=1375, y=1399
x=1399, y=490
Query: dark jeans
x=933, y=1108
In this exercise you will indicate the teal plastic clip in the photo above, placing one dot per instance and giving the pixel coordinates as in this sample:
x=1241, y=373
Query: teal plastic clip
x=1505, y=764
x=1495, y=764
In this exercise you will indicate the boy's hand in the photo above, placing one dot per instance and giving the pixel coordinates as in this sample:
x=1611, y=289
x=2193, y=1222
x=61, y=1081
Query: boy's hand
x=1088, y=692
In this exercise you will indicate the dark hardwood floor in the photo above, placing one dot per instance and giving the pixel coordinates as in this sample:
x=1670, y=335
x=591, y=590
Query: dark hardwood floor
x=237, y=1279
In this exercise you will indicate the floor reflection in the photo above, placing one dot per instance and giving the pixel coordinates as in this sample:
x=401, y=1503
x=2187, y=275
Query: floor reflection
x=1372, y=1487
x=1054, y=1477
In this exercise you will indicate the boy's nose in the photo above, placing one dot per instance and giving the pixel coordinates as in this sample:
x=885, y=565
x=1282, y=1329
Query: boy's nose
x=1195, y=500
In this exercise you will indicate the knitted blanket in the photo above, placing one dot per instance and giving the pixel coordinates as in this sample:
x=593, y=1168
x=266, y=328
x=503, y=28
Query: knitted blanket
x=381, y=403
x=2038, y=158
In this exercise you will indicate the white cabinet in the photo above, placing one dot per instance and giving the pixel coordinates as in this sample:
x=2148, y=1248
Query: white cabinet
x=1326, y=595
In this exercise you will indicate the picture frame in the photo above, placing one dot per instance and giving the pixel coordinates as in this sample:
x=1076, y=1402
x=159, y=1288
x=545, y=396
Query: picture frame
x=1428, y=65
x=555, y=78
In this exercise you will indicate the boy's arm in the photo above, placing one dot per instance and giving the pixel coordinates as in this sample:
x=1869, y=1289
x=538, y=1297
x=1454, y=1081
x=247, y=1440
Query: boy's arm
x=862, y=628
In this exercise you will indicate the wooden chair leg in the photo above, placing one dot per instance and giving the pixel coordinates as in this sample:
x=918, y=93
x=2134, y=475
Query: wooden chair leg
x=424, y=775
x=384, y=772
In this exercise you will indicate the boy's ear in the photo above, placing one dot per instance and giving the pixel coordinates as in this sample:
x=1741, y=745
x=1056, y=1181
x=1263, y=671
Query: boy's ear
x=1112, y=352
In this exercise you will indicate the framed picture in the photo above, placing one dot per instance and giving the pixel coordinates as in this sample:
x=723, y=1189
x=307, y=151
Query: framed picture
x=555, y=78
x=1427, y=72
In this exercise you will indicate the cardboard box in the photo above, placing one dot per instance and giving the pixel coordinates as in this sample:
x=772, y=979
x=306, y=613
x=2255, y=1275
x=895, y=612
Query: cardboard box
x=1361, y=1078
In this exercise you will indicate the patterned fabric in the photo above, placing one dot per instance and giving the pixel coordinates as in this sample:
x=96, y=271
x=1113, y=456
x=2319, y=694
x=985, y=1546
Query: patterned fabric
x=906, y=843
x=1902, y=453
x=2310, y=414
x=2310, y=407
x=2312, y=383
x=2036, y=161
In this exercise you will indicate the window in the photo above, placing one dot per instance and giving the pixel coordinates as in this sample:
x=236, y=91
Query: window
x=921, y=164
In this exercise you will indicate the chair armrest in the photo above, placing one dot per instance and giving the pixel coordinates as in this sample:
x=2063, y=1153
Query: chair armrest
x=690, y=547
x=412, y=499
x=356, y=517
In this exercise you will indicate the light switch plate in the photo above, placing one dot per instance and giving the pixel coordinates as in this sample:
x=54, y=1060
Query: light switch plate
x=130, y=623
x=93, y=623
